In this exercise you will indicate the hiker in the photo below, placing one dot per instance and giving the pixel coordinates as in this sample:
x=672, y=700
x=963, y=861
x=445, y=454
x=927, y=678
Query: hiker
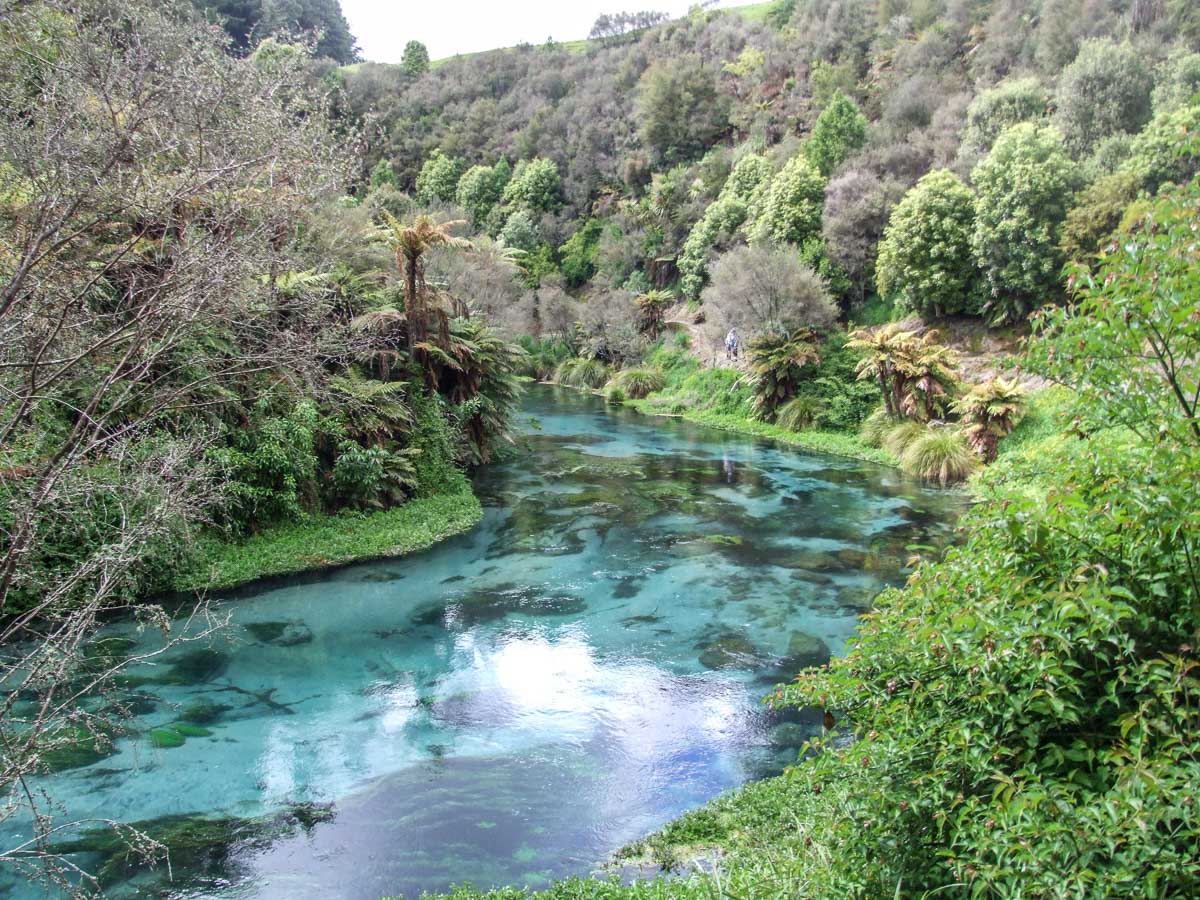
x=731, y=344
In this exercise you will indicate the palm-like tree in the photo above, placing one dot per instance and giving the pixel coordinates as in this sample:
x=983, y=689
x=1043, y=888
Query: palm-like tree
x=410, y=243
x=885, y=350
x=652, y=307
x=777, y=364
x=927, y=370
x=989, y=412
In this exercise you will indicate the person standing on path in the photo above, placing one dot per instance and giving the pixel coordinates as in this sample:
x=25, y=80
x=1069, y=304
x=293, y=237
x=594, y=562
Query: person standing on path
x=731, y=344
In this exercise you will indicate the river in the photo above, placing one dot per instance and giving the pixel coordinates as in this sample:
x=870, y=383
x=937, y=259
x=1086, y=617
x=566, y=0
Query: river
x=514, y=704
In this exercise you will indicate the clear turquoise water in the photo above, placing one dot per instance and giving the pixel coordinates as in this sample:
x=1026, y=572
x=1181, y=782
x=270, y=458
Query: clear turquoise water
x=516, y=703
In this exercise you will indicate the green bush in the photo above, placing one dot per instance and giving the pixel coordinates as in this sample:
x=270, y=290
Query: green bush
x=840, y=129
x=271, y=466
x=926, y=260
x=438, y=178
x=637, y=383
x=999, y=108
x=1104, y=91
x=577, y=257
x=582, y=372
x=1168, y=150
x=1025, y=185
x=790, y=208
x=940, y=454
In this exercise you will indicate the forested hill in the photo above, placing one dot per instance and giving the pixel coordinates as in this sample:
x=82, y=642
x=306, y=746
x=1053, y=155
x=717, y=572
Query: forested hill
x=643, y=130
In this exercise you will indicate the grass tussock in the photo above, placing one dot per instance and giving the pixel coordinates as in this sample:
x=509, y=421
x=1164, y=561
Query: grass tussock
x=940, y=454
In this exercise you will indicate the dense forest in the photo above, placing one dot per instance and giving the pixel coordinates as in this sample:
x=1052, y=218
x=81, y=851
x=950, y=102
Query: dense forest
x=259, y=298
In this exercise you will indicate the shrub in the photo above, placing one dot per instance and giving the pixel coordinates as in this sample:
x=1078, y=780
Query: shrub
x=799, y=413
x=898, y=438
x=1177, y=83
x=480, y=188
x=875, y=427
x=926, y=260
x=1097, y=213
x=577, y=257
x=858, y=205
x=679, y=110
x=721, y=219
x=1168, y=150
x=581, y=372
x=999, y=108
x=1104, y=91
x=1026, y=185
x=438, y=178
x=765, y=290
x=637, y=383
x=614, y=394
x=939, y=454
x=839, y=129
x=535, y=185
x=790, y=209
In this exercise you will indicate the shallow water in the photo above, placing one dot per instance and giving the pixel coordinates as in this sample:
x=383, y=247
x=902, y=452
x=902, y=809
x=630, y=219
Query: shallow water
x=518, y=702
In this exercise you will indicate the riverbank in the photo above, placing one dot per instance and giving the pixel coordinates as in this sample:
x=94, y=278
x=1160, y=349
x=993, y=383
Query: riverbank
x=322, y=541
x=835, y=443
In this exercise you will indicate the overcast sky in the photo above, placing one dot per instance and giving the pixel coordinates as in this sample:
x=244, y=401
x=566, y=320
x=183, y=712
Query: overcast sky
x=448, y=27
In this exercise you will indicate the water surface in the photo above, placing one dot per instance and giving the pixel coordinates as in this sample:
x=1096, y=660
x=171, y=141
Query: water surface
x=514, y=704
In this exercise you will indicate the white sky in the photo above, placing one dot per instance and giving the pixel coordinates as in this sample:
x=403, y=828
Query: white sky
x=447, y=27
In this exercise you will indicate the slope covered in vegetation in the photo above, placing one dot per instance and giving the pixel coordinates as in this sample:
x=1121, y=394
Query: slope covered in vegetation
x=263, y=311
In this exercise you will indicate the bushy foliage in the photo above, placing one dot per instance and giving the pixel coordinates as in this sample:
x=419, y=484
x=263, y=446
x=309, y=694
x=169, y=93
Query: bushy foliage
x=680, y=111
x=1026, y=186
x=1096, y=214
x=926, y=261
x=764, y=290
x=840, y=129
x=721, y=220
x=438, y=179
x=1177, y=81
x=1167, y=151
x=790, y=209
x=858, y=205
x=581, y=371
x=535, y=186
x=415, y=59
x=940, y=454
x=271, y=467
x=1062, y=630
x=577, y=257
x=637, y=383
x=479, y=190
x=383, y=176
x=1104, y=91
x=999, y=108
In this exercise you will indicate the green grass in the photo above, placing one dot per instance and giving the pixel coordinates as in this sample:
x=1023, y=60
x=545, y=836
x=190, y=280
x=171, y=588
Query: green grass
x=720, y=398
x=831, y=442
x=753, y=12
x=324, y=541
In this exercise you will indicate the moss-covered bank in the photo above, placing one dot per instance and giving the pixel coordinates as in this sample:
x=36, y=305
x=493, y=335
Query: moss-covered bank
x=324, y=541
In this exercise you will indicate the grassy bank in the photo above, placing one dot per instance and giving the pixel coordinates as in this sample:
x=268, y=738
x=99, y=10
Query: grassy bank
x=831, y=442
x=721, y=398
x=324, y=541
